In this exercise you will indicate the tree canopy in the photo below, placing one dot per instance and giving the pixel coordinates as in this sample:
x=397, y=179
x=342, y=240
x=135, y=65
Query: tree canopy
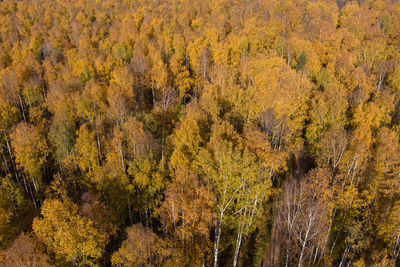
x=200, y=133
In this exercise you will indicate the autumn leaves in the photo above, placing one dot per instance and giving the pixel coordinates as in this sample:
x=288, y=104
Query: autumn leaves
x=162, y=133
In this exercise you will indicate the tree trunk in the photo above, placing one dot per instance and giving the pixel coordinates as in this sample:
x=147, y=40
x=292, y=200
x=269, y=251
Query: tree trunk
x=22, y=107
x=344, y=256
x=29, y=190
x=238, y=243
x=99, y=147
x=303, y=248
x=11, y=157
x=152, y=95
x=129, y=208
x=397, y=248
x=217, y=238
x=327, y=237
x=287, y=253
x=5, y=165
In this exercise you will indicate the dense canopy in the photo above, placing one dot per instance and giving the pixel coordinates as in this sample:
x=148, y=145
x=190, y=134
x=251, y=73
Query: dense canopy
x=200, y=133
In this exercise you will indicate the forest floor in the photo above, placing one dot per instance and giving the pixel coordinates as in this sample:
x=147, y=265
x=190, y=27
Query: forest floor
x=272, y=253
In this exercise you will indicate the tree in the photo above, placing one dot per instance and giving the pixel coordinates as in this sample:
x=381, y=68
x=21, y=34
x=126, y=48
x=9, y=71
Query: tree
x=31, y=151
x=9, y=116
x=25, y=251
x=328, y=108
x=11, y=206
x=120, y=95
x=303, y=216
x=355, y=157
x=141, y=248
x=69, y=235
x=333, y=146
x=391, y=233
x=87, y=152
x=188, y=216
x=280, y=108
x=99, y=214
x=182, y=80
x=288, y=212
x=313, y=221
x=385, y=190
x=237, y=178
x=62, y=135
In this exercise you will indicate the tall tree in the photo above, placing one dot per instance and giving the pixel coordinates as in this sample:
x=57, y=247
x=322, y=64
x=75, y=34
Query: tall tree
x=31, y=151
x=141, y=248
x=72, y=237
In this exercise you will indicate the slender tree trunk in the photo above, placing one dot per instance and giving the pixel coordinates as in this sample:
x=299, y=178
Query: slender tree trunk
x=344, y=256
x=22, y=107
x=327, y=237
x=162, y=142
x=331, y=251
x=397, y=249
x=173, y=217
x=26, y=188
x=99, y=147
x=316, y=255
x=217, y=238
x=122, y=157
x=146, y=218
x=11, y=156
x=129, y=208
x=11, y=197
x=238, y=243
x=153, y=96
x=34, y=185
x=303, y=248
x=5, y=164
x=287, y=253
x=29, y=190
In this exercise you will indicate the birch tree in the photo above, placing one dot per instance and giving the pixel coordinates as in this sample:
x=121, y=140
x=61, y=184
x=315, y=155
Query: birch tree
x=238, y=181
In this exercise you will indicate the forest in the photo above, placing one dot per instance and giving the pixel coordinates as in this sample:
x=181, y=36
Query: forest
x=199, y=133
